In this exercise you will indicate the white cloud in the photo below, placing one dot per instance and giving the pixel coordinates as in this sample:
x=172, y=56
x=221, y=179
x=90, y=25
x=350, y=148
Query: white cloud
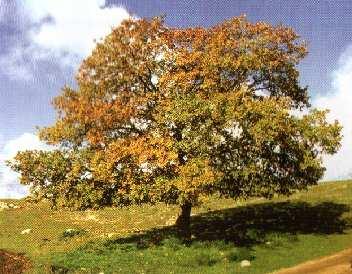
x=9, y=185
x=71, y=26
x=339, y=101
x=59, y=31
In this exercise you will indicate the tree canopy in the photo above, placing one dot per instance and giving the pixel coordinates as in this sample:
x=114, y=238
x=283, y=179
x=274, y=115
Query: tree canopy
x=174, y=115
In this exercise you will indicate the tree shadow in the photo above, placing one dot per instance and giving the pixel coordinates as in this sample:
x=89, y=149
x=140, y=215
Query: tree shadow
x=233, y=231
x=251, y=224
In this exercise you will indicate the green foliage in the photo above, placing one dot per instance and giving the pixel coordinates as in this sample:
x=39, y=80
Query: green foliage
x=71, y=232
x=239, y=254
x=176, y=115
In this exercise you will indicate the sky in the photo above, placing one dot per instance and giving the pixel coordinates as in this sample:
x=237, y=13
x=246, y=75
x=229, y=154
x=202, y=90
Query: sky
x=42, y=43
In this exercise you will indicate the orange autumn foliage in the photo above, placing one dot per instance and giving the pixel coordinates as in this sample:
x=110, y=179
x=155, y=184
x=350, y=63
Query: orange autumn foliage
x=172, y=115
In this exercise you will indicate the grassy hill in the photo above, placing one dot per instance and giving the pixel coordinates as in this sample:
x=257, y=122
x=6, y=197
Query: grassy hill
x=272, y=234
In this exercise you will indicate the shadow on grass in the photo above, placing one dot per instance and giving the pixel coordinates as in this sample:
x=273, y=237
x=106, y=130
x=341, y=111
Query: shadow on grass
x=228, y=234
x=251, y=224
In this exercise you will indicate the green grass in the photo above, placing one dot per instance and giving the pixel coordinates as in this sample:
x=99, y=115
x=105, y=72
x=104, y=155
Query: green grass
x=271, y=234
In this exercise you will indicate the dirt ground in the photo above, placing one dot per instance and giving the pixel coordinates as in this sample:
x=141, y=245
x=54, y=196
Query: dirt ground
x=340, y=263
x=13, y=263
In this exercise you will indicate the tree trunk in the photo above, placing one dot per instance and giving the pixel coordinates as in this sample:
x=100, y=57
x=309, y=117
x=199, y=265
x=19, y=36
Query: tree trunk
x=183, y=221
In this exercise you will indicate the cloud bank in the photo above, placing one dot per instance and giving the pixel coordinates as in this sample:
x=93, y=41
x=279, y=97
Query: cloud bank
x=68, y=28
x=339, y=101
x=59, y=32
x=9, y=186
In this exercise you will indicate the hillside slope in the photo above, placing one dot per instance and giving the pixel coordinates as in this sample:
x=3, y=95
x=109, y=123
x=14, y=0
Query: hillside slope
x=271, y=234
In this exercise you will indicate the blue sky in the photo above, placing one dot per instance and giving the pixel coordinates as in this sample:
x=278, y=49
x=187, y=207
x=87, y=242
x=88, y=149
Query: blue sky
x=42, y=43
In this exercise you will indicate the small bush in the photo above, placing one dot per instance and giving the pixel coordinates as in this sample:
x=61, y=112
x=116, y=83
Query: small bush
x=71, y=232
x=254, y=235
x=172, y=243
x=280, y=239
x=239, y=254
x=206, y=259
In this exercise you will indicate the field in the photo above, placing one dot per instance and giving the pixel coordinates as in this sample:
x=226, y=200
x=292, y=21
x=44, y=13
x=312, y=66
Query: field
x=271, y=234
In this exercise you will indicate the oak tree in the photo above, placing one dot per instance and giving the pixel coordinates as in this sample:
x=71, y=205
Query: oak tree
x=174, y=115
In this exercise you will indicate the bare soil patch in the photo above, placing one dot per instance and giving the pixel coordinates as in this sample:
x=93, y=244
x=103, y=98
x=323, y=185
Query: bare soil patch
x=340, y=263
x=13, y=263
